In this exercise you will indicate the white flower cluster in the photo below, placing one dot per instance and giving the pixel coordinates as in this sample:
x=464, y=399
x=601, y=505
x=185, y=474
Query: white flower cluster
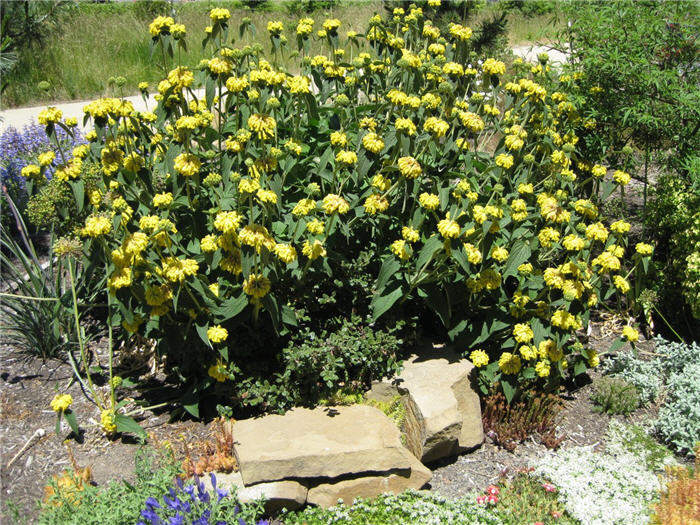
x=407, y=508
x=610, y=488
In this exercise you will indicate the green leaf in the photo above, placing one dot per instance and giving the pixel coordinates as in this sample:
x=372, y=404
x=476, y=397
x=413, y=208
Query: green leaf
x=538, y=331
x=202, y=332
x=608, y=188
x=580, y=367
x=128, y=425
x=518, y=255
x=390, y=266
x=210, y=90
x=528, y=373
x=382, y=303
x=509, y=388
x=288, y=316
x=431, y=247
x=70, y=417
x=617, y=344
x=313, y=106
x=272, y=307
x=78, y=188
x=439, y=302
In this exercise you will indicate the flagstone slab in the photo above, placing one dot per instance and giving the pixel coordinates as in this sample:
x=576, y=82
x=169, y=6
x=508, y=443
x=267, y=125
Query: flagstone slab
x=325, y=442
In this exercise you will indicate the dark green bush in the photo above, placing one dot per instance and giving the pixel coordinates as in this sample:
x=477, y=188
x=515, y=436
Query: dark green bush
x=315, y=364
x=614, y=395
x=674, y=221
x=640, y=75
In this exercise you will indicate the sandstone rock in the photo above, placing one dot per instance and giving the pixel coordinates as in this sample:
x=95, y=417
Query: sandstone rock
x=323, y=442
x=443, y=414
x=327, y=494
x=287, y=494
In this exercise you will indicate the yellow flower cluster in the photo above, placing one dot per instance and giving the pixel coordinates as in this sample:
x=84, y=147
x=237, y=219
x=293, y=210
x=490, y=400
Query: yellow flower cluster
x=61, y=402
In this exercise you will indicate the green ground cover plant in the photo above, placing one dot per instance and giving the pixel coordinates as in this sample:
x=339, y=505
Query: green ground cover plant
x=669, y=376
x=679, y=417
x=409, y=507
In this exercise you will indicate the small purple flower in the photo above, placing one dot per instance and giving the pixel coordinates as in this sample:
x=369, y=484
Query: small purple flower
x=178, y=519
x=152, y=502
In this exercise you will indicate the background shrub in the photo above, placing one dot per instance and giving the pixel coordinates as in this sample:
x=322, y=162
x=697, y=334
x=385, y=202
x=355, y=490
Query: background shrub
x=313, y=366
x=19, y=148
x=638, y=99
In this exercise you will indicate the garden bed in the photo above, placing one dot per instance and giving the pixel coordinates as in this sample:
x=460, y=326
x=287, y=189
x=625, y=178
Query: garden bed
x=28, y=386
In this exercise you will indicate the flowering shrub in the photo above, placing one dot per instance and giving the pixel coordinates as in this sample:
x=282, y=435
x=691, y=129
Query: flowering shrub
x=194, y=504
x=30, y=145
x=217, y=217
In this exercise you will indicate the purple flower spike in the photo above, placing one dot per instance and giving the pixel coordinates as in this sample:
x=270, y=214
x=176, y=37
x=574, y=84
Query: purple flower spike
x=153, y=502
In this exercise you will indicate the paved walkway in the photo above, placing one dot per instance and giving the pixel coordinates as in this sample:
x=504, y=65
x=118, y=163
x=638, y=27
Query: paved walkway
x=20, y=117
x=529, y=54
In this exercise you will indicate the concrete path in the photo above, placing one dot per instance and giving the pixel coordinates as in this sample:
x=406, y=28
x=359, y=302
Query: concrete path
x=20, y=117
x=529, y=54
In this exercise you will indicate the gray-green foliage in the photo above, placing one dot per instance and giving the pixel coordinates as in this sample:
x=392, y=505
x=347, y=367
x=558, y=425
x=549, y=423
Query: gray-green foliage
x=645, y=375
x=676, y=356
x=649, y=375
x=614, y=395
x=679, y=417
x=407, y=508
x=672, y=376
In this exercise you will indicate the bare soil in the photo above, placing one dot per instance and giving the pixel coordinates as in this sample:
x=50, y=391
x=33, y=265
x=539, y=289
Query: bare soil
x=28, y=386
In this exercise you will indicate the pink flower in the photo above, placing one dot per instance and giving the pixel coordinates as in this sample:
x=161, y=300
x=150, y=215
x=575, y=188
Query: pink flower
x=538, y=523
x=549, y=487
x=492, y=499
x=556, y=514
x=481, y=499
x=492, y=490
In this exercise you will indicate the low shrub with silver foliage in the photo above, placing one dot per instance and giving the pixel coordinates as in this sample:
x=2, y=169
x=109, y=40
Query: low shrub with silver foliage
x=646, y=376
x=679, y=417
x=610, y=488
x=650, y=375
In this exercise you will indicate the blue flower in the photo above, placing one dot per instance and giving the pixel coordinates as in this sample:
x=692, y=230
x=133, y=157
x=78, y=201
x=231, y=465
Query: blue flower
x=152, y=502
